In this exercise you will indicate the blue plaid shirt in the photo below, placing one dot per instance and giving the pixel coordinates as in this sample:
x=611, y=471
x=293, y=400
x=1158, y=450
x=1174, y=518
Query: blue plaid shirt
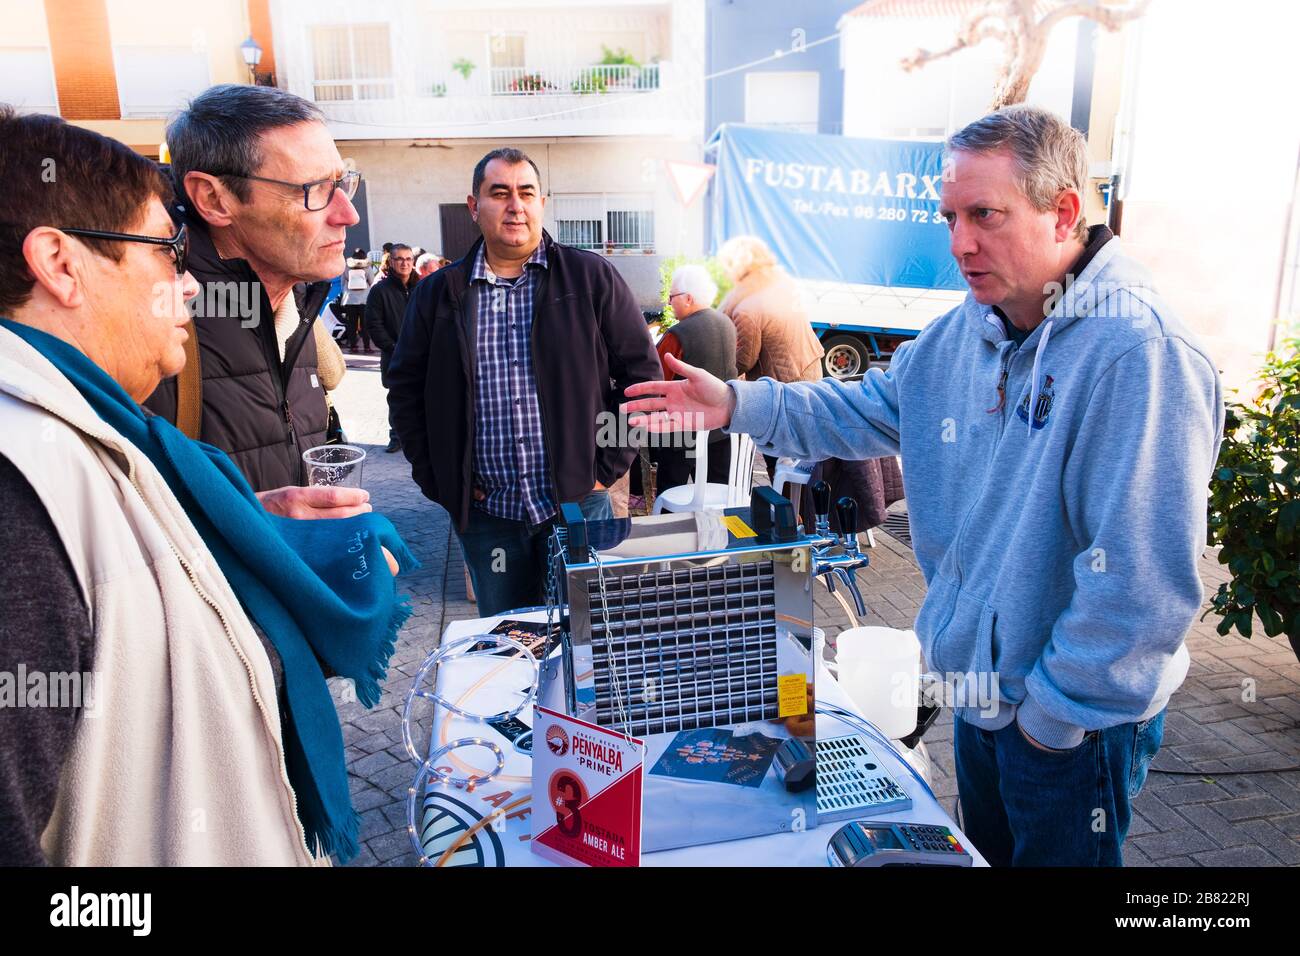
x=510, y=464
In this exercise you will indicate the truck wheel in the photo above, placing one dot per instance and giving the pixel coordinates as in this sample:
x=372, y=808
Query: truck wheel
x=845, y=357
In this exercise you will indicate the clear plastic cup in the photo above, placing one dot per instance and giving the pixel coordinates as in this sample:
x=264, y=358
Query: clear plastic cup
x=338, y=465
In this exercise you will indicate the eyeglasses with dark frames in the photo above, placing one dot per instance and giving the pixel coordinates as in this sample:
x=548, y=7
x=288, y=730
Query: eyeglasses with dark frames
x=319, y=193
x=179, y=243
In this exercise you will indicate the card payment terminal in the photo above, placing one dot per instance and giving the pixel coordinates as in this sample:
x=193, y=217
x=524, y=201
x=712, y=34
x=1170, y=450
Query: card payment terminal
x=867, y=843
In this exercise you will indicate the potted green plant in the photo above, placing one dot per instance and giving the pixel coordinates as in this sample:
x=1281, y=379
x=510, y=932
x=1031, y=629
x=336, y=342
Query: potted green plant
x=629, y=78
x=438, y=89
x=590, y=82
x=458, y=79
x=1255, y=504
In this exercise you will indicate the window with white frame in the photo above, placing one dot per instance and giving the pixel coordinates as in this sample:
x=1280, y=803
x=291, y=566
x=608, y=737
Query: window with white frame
x=506, y=65
x=28, y=75
x=605, y=222
x=352, y=62
x=155, y=81
x=506, y=51
x=788, y=100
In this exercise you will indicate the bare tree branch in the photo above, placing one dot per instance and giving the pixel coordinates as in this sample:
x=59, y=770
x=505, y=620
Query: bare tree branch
x=1110, y=18
x=969, y=34
x=1023, y=38
x=922, y=57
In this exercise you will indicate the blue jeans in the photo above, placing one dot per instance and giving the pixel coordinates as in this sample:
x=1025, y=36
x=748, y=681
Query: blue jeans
x=507, y=559
x=1022, y=806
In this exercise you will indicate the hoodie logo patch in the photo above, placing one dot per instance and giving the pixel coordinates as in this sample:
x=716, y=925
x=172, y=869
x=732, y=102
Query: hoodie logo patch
x=1046, y=394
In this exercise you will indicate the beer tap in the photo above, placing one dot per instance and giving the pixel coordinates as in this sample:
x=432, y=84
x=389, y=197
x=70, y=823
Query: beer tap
x=821, y=492
x=841, y=558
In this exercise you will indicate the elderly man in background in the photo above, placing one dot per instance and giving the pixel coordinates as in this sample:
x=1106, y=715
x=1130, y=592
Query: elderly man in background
x=506, y=383
x=705, y=338
x=774, y=337
x=427, y=264
x=266, y=200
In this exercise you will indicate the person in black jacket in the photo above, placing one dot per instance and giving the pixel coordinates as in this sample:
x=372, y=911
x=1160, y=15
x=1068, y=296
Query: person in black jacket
x=266, y=199
x=505, y=384
x=385, y=308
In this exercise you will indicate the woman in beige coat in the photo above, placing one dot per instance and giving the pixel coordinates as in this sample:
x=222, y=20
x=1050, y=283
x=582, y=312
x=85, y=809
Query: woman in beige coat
x=773, y=334
x=186, y=625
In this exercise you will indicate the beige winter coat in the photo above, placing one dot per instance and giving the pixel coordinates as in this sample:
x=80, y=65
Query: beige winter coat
x=773, y=334
x=178, y=758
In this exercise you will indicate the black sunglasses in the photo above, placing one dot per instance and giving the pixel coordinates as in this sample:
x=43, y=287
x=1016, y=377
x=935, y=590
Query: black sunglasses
x=318, y=194
x=179, y=243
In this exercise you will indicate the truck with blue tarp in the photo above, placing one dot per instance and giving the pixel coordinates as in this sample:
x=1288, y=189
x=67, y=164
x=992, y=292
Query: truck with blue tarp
x=855, y=221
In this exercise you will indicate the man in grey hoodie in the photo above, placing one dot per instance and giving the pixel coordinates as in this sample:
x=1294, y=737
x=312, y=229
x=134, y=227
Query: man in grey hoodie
x=1058, y=431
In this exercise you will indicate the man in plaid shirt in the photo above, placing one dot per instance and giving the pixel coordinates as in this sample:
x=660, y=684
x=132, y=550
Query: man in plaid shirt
x=510, y=366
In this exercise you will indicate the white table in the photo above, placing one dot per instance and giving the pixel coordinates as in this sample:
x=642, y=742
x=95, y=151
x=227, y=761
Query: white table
x=469, y=833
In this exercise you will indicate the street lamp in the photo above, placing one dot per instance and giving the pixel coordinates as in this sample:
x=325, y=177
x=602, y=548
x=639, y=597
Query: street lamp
x=252, y=54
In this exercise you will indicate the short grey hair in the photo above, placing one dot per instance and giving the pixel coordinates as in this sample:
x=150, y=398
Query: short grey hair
x=220, y=131
x=1051, y=155
x=696, y=282
x=425, y=259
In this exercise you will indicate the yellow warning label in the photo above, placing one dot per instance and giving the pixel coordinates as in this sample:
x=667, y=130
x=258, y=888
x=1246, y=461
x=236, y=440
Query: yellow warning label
x=738, y=527
x=792, y=694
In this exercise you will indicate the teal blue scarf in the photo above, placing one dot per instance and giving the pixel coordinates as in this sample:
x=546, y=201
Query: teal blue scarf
x=320, y=590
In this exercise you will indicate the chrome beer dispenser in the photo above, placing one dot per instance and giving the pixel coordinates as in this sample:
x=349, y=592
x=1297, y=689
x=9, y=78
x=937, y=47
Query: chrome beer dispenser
x=693, y=632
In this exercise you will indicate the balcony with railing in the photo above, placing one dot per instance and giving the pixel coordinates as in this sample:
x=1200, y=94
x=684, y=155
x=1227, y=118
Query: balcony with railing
x=560, y=100
x=632, y=69
x=558, y=81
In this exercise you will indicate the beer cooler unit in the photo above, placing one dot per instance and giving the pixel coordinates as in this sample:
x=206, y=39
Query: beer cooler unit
x=693, y=632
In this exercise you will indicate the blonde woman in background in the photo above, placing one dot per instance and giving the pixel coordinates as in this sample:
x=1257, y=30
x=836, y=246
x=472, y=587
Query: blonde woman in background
x=774, y=336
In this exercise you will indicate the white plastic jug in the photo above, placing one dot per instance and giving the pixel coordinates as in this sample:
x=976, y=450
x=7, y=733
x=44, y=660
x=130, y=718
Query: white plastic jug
x=880, y=669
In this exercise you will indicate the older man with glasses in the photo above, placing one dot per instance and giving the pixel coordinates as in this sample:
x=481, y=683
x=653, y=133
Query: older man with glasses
x=265, y=200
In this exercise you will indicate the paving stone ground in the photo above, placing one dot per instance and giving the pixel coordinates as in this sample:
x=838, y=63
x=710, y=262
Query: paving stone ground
x=1238, y=710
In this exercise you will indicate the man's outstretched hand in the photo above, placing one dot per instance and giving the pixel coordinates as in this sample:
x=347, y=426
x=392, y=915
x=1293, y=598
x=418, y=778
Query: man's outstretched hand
x=695, y=401
x=315, y=501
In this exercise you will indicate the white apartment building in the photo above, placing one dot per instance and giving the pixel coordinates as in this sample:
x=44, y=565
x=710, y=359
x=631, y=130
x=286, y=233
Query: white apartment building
x=600, y=94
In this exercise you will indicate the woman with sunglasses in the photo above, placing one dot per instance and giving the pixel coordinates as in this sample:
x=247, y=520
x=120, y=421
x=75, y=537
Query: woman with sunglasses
x=175, y=633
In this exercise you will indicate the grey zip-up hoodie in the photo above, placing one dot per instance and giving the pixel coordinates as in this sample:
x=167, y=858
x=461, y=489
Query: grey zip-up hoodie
x=1058, y=530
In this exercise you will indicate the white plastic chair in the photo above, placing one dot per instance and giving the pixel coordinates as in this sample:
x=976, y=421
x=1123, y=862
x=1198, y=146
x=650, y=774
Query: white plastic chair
x=702, y=494
x=791, y=471
x=797, y=473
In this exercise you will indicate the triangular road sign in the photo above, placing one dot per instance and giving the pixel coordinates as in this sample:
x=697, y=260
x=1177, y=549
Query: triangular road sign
x=689, y=179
